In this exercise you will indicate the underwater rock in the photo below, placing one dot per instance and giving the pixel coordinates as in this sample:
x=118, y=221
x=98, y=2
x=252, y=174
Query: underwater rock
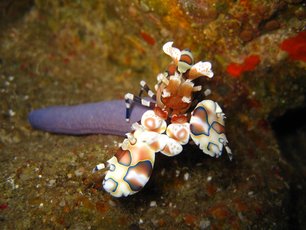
x=73, y=52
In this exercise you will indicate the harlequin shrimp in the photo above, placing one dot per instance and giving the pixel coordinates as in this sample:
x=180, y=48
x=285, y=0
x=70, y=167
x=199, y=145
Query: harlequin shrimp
x=167, y=125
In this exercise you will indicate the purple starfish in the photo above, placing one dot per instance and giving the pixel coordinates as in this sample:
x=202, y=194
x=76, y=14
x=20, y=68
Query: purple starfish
x=102, y=117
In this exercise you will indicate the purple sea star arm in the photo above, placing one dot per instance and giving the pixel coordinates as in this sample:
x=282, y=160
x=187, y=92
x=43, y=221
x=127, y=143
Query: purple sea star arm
x=106, y=117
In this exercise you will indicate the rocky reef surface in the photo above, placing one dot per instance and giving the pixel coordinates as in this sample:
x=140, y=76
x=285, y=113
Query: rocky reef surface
x=72, y=52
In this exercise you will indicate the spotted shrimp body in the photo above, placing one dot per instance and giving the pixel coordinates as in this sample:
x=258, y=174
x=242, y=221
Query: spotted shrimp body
x=171, y=122
x=131, y=167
